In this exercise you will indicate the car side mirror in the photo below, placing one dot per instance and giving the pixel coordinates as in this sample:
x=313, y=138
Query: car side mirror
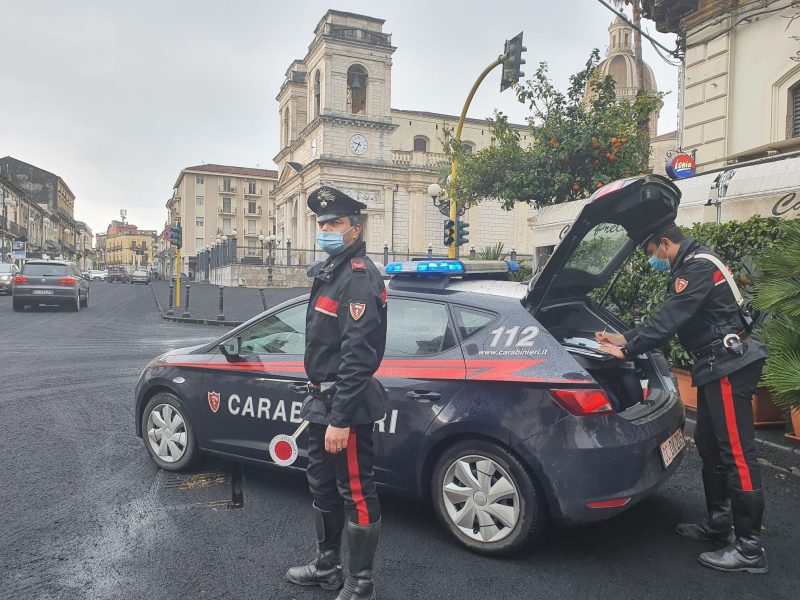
x=231, y=349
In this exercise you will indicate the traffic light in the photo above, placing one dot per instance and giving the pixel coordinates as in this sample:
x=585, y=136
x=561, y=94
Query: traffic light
x=178, y=236
x=449, y=232
x=511, y=66
x=462, y=233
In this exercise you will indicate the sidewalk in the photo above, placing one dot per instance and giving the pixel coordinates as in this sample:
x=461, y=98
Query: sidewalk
x=240, y=303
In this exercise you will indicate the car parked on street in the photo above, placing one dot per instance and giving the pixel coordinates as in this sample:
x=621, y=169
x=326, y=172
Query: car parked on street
x=501, y=409
x=140, y=276
x=95, y=275
x=50, y=282
x=7, y=273
x=184, y=277
x=117, y=274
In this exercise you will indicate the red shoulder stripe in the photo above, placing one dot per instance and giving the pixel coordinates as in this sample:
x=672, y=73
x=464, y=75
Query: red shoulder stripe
x=329, y=306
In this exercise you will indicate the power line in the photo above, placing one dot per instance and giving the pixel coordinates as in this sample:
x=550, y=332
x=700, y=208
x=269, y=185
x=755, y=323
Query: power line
x=674, y=53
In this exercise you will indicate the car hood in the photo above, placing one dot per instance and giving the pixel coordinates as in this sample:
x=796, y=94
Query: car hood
x=616, y=218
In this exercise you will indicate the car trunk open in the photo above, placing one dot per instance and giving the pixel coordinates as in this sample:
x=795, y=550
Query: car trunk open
x=614, y=222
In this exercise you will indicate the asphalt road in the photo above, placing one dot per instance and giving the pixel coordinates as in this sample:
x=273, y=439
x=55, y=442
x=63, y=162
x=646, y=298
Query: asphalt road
x=87, y=515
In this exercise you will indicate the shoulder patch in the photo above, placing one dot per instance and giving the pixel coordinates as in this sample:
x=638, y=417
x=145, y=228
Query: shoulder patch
x=357, y=310
x=358, y=264
x=681, y=284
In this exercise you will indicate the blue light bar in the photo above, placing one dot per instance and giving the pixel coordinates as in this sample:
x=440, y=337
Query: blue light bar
x=512, y=265
x=447, y=267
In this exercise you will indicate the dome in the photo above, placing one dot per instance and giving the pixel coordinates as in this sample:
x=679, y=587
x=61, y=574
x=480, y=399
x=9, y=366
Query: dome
x=620, y=64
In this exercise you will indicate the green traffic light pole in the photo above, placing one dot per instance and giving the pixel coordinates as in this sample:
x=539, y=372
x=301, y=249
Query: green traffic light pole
x=454, y=164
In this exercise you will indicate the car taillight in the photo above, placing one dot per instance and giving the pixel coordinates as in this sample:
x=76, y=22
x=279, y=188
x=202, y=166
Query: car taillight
x=67, y=281
x=20, y=279
x=583, y=402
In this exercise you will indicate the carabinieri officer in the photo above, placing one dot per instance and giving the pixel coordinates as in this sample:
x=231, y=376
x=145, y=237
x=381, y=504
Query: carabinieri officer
x=345, y=341
x=702, y=308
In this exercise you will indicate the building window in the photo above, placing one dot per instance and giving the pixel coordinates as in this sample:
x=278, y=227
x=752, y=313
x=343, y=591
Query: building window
x=795, y=111
x=251, y=207
x=468, y=147
x=226, y=226
x=198, y=243
x=199, y=200
x=251, y=187
x=357, y=90
x=251, y=226
x=226, y=184
x=420, y=144
x=198, y=221
x=226, y=205
x=199, y=180
x=317, y=93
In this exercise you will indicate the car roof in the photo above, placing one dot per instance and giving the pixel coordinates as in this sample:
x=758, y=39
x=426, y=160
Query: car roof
x=48, y=262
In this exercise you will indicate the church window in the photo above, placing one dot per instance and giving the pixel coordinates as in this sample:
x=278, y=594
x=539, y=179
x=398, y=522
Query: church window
x=469, y=147
x=357, y=90
x=317, y=93
x=420, y=144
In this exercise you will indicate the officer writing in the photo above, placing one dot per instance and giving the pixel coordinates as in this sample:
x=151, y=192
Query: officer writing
x=702, y=308
x=345, y=342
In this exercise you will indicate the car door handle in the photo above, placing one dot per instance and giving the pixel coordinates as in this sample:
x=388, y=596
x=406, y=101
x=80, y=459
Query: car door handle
x=423, y=395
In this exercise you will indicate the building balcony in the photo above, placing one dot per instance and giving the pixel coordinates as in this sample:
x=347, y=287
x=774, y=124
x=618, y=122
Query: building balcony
x=253, y=233
x=257, y=213
x=248, y=191
x=231, y=189
x=419, y=160
x=226, y=211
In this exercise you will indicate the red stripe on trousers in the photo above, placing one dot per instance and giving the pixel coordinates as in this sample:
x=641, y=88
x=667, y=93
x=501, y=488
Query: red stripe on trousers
x=328, y=304
x=355, y=479
x=733, y=435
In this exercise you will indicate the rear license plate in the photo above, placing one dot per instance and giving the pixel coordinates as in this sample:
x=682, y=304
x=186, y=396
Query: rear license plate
x=672, y=447
x=42, y=292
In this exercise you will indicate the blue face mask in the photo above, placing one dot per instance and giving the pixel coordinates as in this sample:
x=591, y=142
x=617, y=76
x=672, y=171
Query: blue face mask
x=332, y=242
x=659, y=264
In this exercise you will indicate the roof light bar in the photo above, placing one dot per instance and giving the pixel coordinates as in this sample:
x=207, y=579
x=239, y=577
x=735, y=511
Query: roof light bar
x=451, y=267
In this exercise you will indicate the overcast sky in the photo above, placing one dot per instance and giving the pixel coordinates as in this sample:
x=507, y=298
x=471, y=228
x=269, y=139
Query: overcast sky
x=117, y=97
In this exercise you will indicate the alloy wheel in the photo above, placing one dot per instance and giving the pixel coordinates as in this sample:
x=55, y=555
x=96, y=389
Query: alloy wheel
x=481, y=498
x=166, y=433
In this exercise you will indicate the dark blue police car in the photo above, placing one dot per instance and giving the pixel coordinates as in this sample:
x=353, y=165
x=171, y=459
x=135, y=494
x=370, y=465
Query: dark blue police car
x=502, y=411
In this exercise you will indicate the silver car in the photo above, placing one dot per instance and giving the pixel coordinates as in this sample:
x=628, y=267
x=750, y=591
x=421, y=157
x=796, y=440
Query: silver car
x=50, y=282
x=7, y=273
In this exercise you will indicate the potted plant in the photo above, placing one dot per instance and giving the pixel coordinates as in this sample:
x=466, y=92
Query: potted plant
x=778, y=292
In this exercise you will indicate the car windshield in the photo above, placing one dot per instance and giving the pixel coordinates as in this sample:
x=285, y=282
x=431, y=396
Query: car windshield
x=139, y=273
x=598, y=248
x=5, y=268
x=43, y=270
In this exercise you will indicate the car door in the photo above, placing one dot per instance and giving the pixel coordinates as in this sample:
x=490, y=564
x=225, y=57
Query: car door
x=249, y=394
x=422, y=370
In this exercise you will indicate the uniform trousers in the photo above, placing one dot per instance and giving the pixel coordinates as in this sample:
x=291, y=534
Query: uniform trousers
x=724, y=433
x=344, y=479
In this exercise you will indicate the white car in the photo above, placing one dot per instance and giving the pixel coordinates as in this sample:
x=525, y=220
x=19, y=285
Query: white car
x=95, y=274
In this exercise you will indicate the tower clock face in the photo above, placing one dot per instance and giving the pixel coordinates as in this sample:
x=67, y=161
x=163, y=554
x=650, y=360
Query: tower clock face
x=358, y=144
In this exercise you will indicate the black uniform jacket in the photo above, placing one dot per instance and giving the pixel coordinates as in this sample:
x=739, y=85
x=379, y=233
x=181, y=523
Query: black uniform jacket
x=345, y=339
x=701, y=309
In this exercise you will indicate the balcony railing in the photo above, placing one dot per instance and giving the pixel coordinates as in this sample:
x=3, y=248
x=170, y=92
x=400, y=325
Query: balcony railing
x=248, y=213
x=252, y=233
x=231, y=189
x=255, y=191
x=230, y=210
x=423, y=160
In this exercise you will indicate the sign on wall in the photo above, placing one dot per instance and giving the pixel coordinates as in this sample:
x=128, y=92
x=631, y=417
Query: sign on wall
x=18, y=250
x=680, y=166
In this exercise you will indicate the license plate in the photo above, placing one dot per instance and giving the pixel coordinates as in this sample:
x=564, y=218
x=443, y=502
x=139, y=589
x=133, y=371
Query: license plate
x=42, y=292
x=672, y=447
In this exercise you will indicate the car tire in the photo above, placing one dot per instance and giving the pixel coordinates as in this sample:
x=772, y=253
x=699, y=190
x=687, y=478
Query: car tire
x=86, y=300
x=179, y=451
x=76, y=306
x=488, y=526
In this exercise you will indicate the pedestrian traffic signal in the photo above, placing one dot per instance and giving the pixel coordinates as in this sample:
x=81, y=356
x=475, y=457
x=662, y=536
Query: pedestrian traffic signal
x=178, y=236
x=511, y=65
x=462, y=233
x=449, y=232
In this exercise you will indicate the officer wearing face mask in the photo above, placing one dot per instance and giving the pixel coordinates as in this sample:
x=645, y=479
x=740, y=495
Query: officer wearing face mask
x=345, y=342
x=702, y=309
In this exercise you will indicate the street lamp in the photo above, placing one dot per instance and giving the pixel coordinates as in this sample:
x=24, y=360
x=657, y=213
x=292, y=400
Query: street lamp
x=261, y=241
x=436, y=193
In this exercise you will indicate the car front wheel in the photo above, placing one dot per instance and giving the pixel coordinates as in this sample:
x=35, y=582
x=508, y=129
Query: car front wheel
x=167, y=432
x=486, y=498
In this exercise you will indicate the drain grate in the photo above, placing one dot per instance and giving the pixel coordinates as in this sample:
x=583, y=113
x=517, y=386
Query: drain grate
x=215, y=487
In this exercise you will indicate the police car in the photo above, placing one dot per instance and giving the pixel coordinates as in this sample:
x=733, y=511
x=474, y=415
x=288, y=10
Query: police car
x=502, y=411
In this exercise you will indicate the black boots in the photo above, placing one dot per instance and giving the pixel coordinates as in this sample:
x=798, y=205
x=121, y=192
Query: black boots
x=746, y=553
x=362, y=540
x=325, y=570
x=716, y=527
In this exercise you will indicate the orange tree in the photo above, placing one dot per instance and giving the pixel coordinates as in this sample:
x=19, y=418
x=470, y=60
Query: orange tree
x=578, y=144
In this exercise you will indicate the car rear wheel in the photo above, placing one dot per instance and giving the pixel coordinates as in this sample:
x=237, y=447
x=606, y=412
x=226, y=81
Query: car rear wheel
x=486, y=498
x=75, y=306
x=85, y=302
x=167, y=432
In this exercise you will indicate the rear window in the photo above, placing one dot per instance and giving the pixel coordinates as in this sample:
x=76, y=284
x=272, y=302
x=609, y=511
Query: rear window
x=5, y=268
x=471, y=321
x=598, y=248
x=45, y=270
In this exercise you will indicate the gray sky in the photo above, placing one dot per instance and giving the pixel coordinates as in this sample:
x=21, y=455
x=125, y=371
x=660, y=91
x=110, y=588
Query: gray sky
x=117, y=97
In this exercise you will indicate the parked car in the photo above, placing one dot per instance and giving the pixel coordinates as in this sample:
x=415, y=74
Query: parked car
x=96, y=274
x=184, y=277
x=117, y=273
x=140, y=277
x=50, y=282
x=85, y=274
x=7, y=273
x=501, y=409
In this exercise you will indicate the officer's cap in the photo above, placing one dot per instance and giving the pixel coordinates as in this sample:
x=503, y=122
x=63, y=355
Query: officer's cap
x=329, y=203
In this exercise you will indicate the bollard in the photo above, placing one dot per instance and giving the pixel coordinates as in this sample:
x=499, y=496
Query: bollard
x=170, y=312
x=386, y=254
x=514, y=254
x=221, y=315
x=263, y=298
x=472, y=252
x=430, y=251
x=186, y=314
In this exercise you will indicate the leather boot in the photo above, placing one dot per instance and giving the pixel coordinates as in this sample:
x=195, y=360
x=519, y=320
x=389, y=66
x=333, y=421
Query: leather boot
x=746, y=553
x=325, y=570
x=362, y=540
x=716, y=527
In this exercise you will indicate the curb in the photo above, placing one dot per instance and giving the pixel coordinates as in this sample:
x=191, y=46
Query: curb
x=192, y=320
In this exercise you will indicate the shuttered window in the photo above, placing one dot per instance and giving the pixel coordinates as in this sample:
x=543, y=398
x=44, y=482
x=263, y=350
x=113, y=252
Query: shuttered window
x=795, y=123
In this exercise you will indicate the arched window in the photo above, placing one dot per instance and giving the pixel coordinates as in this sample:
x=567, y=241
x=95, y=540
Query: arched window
x=357, y=90
x=316, y=93
x=286, y=126
x=468, y=147
x=420, y=144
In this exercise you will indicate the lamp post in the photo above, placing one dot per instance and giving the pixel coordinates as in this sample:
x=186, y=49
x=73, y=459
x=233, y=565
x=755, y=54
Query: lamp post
x=10, y=202
x=261, y=241
x=271, y=244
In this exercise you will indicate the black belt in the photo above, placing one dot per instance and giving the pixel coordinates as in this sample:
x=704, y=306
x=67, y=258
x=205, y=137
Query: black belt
x=714, y=348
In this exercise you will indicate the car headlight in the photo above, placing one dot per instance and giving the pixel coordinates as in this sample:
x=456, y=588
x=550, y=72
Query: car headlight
x=5, y=277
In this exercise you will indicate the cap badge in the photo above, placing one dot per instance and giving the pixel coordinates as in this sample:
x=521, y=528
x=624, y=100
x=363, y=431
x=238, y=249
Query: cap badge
x=325, y=196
